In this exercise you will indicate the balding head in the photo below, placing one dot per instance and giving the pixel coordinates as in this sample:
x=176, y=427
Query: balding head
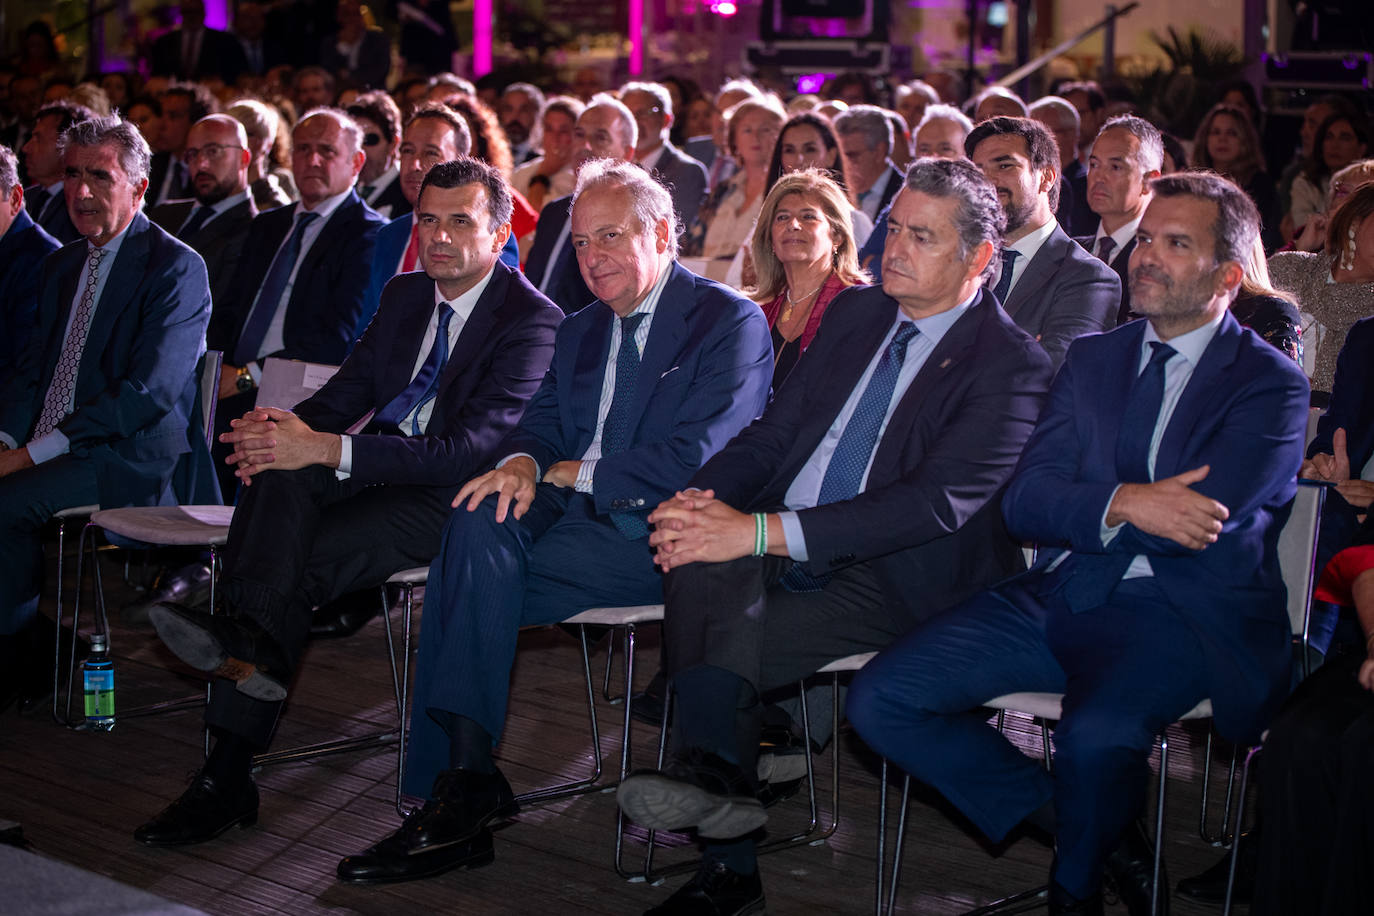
x=217, y=158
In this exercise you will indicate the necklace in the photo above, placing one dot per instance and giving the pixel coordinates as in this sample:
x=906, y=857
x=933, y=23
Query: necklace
x=787, y=293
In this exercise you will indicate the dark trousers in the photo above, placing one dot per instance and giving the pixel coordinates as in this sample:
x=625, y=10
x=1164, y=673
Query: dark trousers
x=1316, y=799
x=736, y=617
x=302, y=538
x=490, y=579
x=1127, y=670
x=28, y=499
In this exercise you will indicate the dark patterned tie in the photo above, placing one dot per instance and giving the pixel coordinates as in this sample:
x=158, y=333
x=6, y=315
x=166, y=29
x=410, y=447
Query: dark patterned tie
x=1105, y=247
x=69, y=361
x=424, y=387
x=1009, y=256
x=854, y=451
x=269, y=295
x=615, y=438
x=1139, y=417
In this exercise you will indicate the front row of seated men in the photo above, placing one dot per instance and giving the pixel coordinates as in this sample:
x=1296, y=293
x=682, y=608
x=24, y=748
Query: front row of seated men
x=867, y=498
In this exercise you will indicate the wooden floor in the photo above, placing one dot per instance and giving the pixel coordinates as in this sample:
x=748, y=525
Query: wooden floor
x=79, y=796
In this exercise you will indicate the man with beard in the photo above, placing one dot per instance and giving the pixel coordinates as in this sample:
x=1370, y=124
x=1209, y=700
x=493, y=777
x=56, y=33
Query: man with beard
x=518, y=109
x=1047, y=283
x=215, y=220
x=1158, y=478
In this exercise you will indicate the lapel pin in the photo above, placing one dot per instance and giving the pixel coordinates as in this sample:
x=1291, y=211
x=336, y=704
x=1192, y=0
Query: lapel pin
x=945, y=364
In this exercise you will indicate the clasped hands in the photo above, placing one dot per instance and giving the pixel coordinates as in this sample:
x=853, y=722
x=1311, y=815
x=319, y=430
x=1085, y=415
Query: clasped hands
x=1336, y=468
x=268, y=438
x=1171, y=509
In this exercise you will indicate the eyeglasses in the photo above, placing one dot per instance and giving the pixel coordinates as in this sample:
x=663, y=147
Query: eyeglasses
x=371, y=139
x=211, y=151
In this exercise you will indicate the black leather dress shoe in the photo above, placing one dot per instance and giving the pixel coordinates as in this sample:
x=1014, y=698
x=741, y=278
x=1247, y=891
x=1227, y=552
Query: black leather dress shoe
x=1130, y=871
x=204, y=811
x=230, y=646
x=1210, y=886
x=714, y=891
x=1062, y=903
x=345, y=615
x=461, y=804
x=390, y=860
x=696, y=789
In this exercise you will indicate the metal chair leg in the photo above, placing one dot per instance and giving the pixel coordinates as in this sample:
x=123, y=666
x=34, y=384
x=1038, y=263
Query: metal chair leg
x=1221, y=837
x=900, y=842
x=1235, y=846
x=1159, y=823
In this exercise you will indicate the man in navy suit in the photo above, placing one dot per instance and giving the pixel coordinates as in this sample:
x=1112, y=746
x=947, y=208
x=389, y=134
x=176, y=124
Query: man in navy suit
x=23, y=246
x=1127, y=154
x=866, y=140
x=195, y=52
x=645, y=385
x=864, y=501
x=444, y=373
x=1156, y=483
x=683, y=176
x=98, y=408
x=299, y=289
x=606, y=129
x=44, y=199
x=1046, y=282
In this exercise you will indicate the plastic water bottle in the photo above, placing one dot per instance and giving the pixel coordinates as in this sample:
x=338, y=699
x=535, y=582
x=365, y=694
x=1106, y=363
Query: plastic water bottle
x=97, y=677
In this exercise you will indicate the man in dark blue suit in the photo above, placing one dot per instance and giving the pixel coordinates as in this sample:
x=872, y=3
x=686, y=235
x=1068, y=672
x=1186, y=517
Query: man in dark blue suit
x=1052, y=288
x=864, y=501
x=23, y=246
x=443, y=373
x=43, y=198
x=683, y=176
x=98, y=408
x=645, y=385
x=299, y=288
x=606, y=129
x=1156, y=483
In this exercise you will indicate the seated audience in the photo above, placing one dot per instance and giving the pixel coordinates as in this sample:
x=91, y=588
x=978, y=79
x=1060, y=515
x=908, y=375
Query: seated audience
x=271, y=185
x=1053, y=289
x=357, y=52
x=878, y=464
x=1341, y=139
x=1156, y=481
x=683, y=176
x=518, y=109
x=994, y=102
x=43, y=198
x=448, y=365
x=96, y=412
x=1268, y=312
x=23, y=246
x=911, y=100
x=1335, y=287
x=1088, y=98
x=549, y=175
x=712, y=149
x=1061, y=119
x=1312, y=118
x=1175, y=155
x=1228, y=143
x=678, y=365
x=378, y=183
x=807, y=141
x=804, y=255
x=726, y=217
x=490, y=146
x=1312, y=236
x=866, y=142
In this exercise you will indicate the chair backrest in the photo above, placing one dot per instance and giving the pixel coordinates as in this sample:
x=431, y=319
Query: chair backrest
x=209, y=392
x=1298, y=554
x=287, y=382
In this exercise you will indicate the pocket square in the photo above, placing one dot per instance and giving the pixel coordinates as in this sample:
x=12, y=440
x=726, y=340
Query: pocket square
x=669, y=372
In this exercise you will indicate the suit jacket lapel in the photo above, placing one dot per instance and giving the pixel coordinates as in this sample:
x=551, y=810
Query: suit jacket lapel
x=664, y=343
x=123, y=280
x=1198, y=398
x=1038, y=272
x=589, y=369
x=477, y=327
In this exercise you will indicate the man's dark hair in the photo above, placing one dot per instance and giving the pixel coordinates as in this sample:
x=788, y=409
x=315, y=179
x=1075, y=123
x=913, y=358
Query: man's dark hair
x=1041, y=147
x=1238, y=222
x=135, y=158
x=67, y=114
x=312, y=70
x=458, y=172
x=150, y=102
x=381, y=109
x=1097, y=99
x=441, y=112
x=979, y=217
x=202, y=102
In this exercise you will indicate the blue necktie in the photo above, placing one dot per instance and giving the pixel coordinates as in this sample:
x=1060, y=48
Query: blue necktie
x=1009, y=256
x=854, y=451
x=615, y=437
x=424, y=387
x=269, y=295
x=1139, y=416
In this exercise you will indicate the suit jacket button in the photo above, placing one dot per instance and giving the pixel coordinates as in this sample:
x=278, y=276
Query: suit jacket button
x=639, y=502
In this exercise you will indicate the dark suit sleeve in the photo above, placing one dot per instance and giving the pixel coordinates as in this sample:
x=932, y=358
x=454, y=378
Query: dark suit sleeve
x=175, y=309
x=1352, y=395
x=689, y=187
x=964, y=467
x=336, y=293
x=1086, y=302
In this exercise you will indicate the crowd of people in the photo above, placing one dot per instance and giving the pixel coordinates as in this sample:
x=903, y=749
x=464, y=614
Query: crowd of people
x=809, y=371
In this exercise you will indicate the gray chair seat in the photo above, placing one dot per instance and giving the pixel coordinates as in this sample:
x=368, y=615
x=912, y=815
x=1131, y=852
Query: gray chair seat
x=169, y=526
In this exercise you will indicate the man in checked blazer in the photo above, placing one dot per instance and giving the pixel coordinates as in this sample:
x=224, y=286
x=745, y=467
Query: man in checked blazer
x=440, y=376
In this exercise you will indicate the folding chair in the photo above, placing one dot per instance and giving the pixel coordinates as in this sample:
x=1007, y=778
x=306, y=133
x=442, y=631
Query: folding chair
x=1297, y=559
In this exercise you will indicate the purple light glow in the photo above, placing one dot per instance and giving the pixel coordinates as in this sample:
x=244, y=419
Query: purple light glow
x=812, y=82
x=636, y=37
x=217, y=14
x=481, y=37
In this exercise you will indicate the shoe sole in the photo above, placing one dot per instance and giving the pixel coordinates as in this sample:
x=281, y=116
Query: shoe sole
x=660, y=803
x=197, y=648
x=243, y=822
x=478, y=860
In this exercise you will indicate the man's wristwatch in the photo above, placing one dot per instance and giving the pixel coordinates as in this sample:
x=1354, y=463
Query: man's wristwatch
x=245, y=380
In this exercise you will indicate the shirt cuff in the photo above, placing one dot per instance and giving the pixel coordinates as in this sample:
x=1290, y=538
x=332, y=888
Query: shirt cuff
x=586, y=470
x=345, y=467
x=1107, y=532
x=538, y=472
x=46, y=448
x=255, y=372
x=796, y=540
x=9, y=440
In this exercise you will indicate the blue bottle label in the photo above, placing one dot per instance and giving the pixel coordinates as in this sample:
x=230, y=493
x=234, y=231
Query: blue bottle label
x=99, y=691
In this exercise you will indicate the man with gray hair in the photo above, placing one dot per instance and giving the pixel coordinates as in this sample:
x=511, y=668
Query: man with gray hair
x=1127, y=154
x=23, y=246
x=1062, y=120
x=865, y=136
x=1156, y=481
x=683, y=176
x=646, y=384
x=97, y=411
x=518, y=111
x=878, y=465
x=43, y=163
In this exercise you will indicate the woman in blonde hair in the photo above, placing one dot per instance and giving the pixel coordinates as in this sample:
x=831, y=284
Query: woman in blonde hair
x=804, y=254
x=1268, y=312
